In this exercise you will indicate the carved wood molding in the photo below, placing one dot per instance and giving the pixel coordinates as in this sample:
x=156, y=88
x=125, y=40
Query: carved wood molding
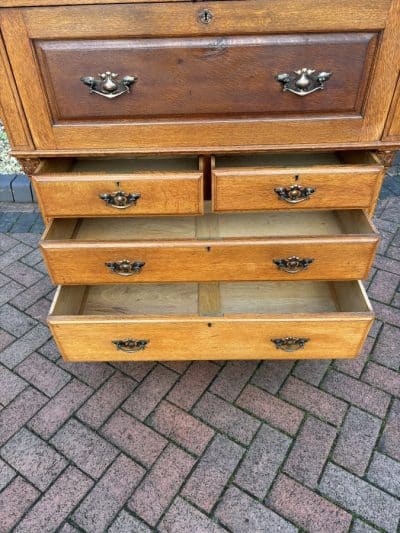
x=387, y=157
x=28, y=165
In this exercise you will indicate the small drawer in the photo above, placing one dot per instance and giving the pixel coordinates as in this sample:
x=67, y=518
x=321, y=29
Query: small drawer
x=120, y=187
x=341, y=180
x=213, y=247
x=267, y=320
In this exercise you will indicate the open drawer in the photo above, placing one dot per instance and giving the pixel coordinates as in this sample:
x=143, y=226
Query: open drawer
x=120, y=187
x=214, y=247
x=264, y=320
x=333, y=180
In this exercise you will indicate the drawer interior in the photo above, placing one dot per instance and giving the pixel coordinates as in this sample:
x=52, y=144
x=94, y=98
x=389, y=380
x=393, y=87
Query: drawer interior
x=296, y=160
x=212, y=299
x=111, y=166
x=213, y=226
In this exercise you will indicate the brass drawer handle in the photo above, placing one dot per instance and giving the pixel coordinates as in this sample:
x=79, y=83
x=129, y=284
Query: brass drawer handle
x=125, y=267
x=290, y=344
x=295, y=193
x=130, y=345
x=108, y=85
x=293, y=264
x=303, y=81
x=120, y=199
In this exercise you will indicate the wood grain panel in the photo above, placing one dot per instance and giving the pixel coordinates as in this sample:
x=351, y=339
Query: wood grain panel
x=244, y=247
x=193, y=77
x=336, y=333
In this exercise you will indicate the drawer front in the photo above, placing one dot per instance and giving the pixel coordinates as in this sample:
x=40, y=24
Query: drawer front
x=208, y=338
x=340, y=258
x=225, y=79
x=195, y=77
x=71, y=195
x=259, y=189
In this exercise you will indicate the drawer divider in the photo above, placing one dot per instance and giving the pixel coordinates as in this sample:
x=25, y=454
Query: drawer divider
x=209, y=299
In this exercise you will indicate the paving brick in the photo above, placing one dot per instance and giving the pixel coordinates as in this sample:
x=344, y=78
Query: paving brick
x=50, y=350
x=262, y=461
x=53, y=415
x=387, y=264
x=306, y=508
x=389, y=442
x=311, y=370
x=361, y=498
x=356, y=441
x=24, y=346
x=126, y=523
x=150, y=392
x=93, y=374
x=5, y=187
x=384, y=285
x=14, y=321
x=360, y=394
x=213, y=471
x=391, y=211
x=386, y=313
x=6, y=242
x=15, y=500
x=52, y=509
x=21, y=188
x=233, y=377
x=362, y=527
x=67, y=528
x=39, y=310
x=315, y=401
x=104, y=501
x=6, y=474
x=310, y=452
x=192, y=384
x=13, y=254
x=19, y=411
x=10, y=385
x=177, y=366
x=5, y=339
x=161, y=484
x=239, y=512
x=28, y=238
x=385, y=473
x=386, y=350
x=138, y=371
x=33, y=258
x=271, y=375
x=85, y=448
x=106, y=399
x=182, y=428
x=23, y=274
x=383, y=378
x=33, y=458
x=273, y=410
x=354, y=367
x=9, y=290
x=43, y=374
x=227, y=418
x=29, y=296
x=134, y=438
x=183, y=518
x=7, y=220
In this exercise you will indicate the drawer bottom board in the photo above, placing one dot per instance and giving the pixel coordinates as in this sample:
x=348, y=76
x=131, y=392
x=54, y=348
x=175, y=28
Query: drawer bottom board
x=211, y=321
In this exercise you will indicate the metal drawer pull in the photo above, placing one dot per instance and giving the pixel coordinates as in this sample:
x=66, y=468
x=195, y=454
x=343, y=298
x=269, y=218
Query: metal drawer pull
x=130, y=345
x=295, y=193
x=125, y=267
x=120, y=199
x=293, y=264
x=290, y=344
x=108, y=85
x=303, y=81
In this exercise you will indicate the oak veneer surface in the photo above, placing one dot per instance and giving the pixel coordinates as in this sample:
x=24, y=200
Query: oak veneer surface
x=211, y=247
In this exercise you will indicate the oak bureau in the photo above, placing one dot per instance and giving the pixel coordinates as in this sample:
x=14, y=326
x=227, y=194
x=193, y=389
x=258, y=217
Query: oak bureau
x=207, y=171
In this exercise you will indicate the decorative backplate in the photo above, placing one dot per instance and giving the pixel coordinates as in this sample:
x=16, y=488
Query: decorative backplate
x=303, y=81
x=293, y=264
x=290, y=344
x=108, y=84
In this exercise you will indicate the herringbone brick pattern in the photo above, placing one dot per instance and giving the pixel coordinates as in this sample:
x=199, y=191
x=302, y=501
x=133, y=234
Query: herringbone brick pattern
x=195, y=447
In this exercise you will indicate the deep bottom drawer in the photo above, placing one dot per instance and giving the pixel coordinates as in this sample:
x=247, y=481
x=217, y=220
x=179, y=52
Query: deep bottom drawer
x=267, y=320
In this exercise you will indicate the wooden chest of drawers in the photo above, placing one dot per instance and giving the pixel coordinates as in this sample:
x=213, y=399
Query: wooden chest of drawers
x=207, y=171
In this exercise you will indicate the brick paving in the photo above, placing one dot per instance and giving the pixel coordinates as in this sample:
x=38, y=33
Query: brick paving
x=246, y=447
